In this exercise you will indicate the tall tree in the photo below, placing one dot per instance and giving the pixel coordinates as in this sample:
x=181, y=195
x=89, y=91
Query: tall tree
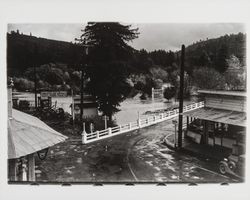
x=221, y=60
x=108, y=57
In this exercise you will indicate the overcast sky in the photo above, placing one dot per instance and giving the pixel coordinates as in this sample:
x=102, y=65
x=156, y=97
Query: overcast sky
x=152, y=36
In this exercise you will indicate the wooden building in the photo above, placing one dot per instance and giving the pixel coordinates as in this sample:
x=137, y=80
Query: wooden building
x=27, y=135
x=221, y=122
x=90, y=107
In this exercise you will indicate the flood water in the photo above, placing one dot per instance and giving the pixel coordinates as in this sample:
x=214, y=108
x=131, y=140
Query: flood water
x=128, y=109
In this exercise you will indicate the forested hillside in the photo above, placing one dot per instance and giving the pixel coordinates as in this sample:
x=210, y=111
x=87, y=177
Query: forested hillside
x=58, y=64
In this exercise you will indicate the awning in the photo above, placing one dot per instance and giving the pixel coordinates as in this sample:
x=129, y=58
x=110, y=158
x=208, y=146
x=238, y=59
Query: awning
x=219, y=115
x=28, y=134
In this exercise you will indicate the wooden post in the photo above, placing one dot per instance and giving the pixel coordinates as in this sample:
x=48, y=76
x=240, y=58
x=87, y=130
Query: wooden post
x=205, y=131
x=73, y=107
x=31, y=167
x=181, y=97
x=23, y=170
x=105, y=122
x=35, y=85
x=110, y=131
x=81, y=107
x=139, y=120
x=84, y=134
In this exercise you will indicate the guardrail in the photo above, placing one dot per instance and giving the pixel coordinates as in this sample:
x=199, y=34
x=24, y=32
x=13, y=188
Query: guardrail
x=140, y=123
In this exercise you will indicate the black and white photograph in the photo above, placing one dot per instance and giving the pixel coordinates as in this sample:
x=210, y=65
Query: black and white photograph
x=124, y=102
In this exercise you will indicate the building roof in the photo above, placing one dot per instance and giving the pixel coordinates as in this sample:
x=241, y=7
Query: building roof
x=28, y=134
x=223, y=92
x=219, y=115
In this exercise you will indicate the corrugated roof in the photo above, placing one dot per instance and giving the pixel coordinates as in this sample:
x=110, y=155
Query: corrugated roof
x=223, y=92
x=28, y=134
x=219, y=115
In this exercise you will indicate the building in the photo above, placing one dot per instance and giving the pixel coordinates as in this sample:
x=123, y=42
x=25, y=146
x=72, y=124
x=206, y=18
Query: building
x=90, y=107
x=28, y=138
x=220, y=123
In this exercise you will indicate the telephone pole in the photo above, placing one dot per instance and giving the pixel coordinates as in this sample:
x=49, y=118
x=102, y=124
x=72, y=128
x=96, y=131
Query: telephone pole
x=181, y=97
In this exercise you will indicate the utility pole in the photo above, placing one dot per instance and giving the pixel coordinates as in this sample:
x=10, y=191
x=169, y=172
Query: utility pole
x=181, y=97
x=81, y=107
x=35, y=84
x=83, y=43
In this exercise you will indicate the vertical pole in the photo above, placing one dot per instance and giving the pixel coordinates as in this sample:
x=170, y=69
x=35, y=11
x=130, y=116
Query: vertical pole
x=175, y=135
x=35, y=84
x=105, y=121
x=84, y=134
x=139, y=120
x=73, y=107
x=152, y=94
x=24, y=170
x=31, y=167
x=181, y=97
x=81, y=107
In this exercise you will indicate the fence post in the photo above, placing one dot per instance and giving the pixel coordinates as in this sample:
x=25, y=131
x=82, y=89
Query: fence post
x=84, y=135
x=110, y=131
x=130, y=126
x=120, y=127
x=139, y=123
x=97, y=134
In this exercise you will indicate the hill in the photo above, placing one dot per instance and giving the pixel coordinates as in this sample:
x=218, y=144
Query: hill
x=24, y=51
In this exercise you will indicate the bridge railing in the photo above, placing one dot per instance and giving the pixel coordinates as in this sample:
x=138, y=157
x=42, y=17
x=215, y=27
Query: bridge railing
x=140, y=123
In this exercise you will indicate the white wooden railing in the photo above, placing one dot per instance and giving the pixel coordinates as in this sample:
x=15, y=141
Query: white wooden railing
x=140, y=123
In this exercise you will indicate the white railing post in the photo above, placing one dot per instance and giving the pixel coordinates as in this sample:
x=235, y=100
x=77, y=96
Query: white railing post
x=130, y=125
x=84, y=135
x=97, y=134
x=109, y=131
x=120, y=127
x=139, y=123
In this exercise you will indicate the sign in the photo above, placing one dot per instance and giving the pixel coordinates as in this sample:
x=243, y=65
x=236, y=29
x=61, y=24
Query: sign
x=46, y=94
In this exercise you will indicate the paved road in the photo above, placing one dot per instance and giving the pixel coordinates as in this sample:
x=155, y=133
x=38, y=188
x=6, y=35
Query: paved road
x=139, y=156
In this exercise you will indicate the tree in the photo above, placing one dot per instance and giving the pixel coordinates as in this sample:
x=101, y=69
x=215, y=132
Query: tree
x=235, y=74
x=108, y=58
x=208, y=78
x=169, y=92
x=221, y=60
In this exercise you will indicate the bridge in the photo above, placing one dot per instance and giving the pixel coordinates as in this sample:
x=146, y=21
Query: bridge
x=140, y=123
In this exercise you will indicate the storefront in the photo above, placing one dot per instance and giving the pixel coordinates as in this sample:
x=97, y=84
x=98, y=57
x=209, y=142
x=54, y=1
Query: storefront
x=221, y=123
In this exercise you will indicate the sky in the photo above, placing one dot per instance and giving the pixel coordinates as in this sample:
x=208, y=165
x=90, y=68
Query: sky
x=167, y=36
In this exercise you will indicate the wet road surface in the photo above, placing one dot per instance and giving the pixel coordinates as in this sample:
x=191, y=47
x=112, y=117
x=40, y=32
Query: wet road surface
x=138, y=156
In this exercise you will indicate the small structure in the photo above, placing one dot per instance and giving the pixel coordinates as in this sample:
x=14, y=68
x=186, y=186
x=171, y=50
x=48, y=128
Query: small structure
x=90, y=107
x=27, y=135
x=222, y=121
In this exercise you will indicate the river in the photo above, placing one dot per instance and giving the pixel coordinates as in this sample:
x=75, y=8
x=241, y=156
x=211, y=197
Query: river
x=128, y=109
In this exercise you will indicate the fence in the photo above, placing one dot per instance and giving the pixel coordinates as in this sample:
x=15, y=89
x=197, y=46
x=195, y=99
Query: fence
x=140, y=123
